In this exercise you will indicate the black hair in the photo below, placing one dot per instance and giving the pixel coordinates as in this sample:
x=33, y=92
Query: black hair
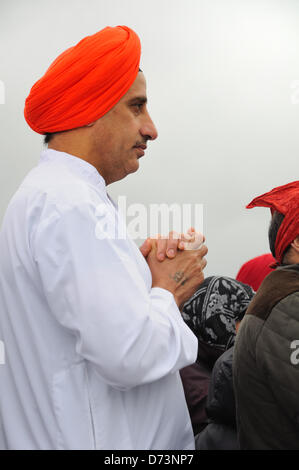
x=48, y=137
x=275, y=224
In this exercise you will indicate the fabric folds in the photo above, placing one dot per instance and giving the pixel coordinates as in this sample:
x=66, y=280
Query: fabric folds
x=283, y=199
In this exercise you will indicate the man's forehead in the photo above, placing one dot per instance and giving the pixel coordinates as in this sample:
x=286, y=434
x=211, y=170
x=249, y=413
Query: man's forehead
x=138, y=88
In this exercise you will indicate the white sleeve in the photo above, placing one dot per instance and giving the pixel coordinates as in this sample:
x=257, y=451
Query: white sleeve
x=94, y=289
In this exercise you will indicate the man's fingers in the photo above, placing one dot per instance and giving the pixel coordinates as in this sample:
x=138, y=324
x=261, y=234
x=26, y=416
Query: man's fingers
x=203, y=250
x=161, y=248
x=168, y=246
x=146, y=247
x=181, y=245
x=201, y=255
x=172, y=244
x=203, y=263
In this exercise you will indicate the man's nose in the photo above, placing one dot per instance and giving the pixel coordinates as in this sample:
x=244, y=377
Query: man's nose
x=148, y=129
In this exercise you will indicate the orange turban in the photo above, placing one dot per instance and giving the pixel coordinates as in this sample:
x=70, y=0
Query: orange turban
x=85, y=81
x=283, y=199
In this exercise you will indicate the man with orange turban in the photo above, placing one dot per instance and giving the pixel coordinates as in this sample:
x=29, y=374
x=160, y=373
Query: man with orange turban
x=266, y=364
x=93, y=334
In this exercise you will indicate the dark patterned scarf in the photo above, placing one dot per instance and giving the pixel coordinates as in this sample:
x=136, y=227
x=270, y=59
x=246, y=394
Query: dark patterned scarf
x=213, y=310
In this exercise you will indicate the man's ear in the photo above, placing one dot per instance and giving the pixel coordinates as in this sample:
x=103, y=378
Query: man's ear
x=295, y=244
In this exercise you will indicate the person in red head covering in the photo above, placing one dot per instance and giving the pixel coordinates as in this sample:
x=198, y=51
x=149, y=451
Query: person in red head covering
x=266, y=365
x=283, y=202
x=92, y=328
x=255, y=270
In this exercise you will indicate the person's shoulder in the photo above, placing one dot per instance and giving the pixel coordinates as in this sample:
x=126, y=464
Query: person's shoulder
x=278, y=285
x=44, y=187
x=288, y=306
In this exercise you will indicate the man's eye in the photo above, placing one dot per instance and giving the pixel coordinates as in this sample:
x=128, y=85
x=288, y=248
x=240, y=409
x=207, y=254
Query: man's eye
x=138, y=107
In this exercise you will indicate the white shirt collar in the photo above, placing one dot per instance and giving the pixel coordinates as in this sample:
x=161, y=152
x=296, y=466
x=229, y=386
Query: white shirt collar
x=75, y=164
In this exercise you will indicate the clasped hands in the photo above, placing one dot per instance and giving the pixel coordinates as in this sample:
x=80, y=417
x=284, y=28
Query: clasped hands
x=169, y=246
x=176, y=263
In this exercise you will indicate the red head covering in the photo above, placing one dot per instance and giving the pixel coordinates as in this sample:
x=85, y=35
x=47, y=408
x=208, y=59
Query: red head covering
x=85, y=81
x=283, y=199
x=255, y=270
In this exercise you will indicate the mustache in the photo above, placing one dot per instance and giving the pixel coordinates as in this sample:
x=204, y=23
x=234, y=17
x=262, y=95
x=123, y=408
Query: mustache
x=141, y=142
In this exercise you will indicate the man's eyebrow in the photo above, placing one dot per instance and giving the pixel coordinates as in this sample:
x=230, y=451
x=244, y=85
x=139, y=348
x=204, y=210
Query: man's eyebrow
x=138, y=100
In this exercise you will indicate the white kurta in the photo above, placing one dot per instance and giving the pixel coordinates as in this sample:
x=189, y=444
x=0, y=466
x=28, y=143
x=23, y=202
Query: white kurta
x=92, y=351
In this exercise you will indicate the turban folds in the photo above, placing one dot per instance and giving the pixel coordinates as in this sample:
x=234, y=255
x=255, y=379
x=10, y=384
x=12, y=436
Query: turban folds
x=85, y=81
x=283, y=199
